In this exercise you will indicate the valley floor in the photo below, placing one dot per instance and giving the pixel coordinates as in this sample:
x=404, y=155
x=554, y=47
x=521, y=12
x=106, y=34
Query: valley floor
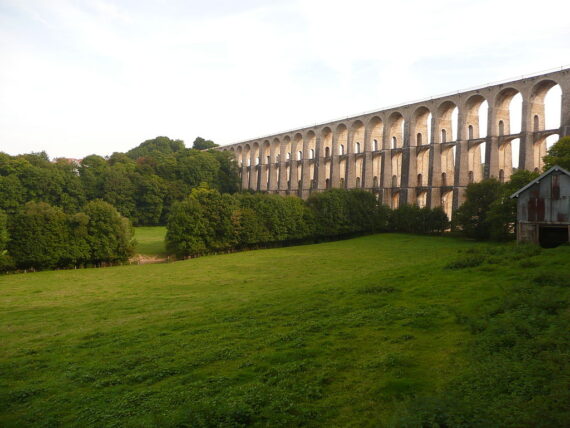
x=348, y=333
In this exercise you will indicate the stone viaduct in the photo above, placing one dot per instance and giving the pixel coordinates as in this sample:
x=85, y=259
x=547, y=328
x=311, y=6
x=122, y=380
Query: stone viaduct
x=410, y=153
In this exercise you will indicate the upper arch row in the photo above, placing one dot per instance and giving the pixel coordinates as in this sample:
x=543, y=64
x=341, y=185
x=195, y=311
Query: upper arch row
x=533, y=90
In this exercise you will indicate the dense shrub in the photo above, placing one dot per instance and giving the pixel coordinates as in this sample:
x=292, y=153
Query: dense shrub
x=44, y=237
x=6, y=262
x=340, y=212
x=186, y=229
x=209, y=222
x=39, y=236
x=471, y=217
x=3, y=231
x=109, y=236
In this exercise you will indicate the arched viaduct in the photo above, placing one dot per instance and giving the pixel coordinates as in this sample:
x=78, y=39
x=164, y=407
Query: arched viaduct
x=410, y=153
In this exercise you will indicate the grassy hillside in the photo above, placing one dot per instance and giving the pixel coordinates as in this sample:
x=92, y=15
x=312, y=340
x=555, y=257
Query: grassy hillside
x=352, y=333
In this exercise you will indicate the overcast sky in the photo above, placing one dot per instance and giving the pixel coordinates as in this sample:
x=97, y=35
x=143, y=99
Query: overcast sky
x=82, y=77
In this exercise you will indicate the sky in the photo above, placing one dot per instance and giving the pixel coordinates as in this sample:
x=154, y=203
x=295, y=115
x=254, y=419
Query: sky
x=82, y=77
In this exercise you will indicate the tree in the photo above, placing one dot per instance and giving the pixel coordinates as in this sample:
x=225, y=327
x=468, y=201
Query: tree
x=91, y=172
x=6, y=262
x=38, y=236
x=332, y=213
x=119, y=190
x=12, y=194
x=201, y=144
x=195, y=167
x=149, y=197
x=186, y=229
x=156, y=145
x=109, y=235
x=227, y=180
x=502, y=214
x=559, y=154
x=217, y=212
x=471, y=217
x=3, y=231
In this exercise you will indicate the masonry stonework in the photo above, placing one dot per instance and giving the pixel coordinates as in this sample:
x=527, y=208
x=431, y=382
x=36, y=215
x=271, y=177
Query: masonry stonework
x=388, y=153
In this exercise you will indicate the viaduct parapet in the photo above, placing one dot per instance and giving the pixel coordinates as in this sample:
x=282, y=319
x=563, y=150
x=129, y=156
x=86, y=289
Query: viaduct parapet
x=410, y=153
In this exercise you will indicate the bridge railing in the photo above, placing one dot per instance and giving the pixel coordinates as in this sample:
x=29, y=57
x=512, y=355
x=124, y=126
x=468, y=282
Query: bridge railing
x=447, y=94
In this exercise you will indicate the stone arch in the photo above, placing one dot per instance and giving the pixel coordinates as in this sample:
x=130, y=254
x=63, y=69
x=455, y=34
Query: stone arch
x=446, y=116
x=508, y=106
x=311, y=139
x=311, y=148
x=239, y=156
x=357, y=134
x=546, y=114
x=395, y=200
x=375, y=134
x=503, y=111
x=276, y=143
x=447, y=203
x=326, y=142
x=421, y=126
x=342, y=144
x=421, y=199
x=341, y=133
x=538, y=95
x=447, y=133
x=422, y=166
x=396, y=125
x=327, y=145
x=287, y=152
x=297, y=146
x=256, y=154
x=247, y=155
x=475, y=116
x=266, y=153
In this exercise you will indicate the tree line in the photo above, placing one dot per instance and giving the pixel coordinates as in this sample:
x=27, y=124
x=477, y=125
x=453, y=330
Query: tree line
x=41, y=236
x=488, y=212
x=142, y=184
x=208, y=221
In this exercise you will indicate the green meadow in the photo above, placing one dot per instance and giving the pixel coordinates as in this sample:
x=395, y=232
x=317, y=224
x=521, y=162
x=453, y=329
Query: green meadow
x=383, y=330
x=150, y=241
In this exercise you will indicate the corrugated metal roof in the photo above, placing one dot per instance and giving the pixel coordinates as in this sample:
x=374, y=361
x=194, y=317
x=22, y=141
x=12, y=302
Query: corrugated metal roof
x=537, y=180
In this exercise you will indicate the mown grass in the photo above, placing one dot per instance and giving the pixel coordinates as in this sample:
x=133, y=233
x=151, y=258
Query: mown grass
x=150, y=241
x=348, y=333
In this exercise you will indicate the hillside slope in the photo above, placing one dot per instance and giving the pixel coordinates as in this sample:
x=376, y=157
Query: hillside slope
x=349, y=333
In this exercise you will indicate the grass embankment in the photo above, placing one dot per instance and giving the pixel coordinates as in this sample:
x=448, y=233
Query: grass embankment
x=354, y=332
x=150, y=241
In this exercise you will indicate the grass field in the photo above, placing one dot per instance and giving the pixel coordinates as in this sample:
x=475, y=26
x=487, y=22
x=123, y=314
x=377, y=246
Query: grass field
x=337, y=334
x=150, y=241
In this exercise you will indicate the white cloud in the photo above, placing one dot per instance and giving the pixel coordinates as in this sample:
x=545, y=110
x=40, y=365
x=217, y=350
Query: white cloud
x=83, y=77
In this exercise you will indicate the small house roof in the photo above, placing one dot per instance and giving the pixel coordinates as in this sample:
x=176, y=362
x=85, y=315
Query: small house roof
x=537, y=180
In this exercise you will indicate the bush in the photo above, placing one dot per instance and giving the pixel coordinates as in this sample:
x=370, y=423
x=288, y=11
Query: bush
x=186, y=229
x=109, y=235
x=39, y=236
x=471, y=217
x=209, y=222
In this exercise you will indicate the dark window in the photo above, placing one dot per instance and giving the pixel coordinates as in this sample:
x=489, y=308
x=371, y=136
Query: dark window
x=556, y=187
